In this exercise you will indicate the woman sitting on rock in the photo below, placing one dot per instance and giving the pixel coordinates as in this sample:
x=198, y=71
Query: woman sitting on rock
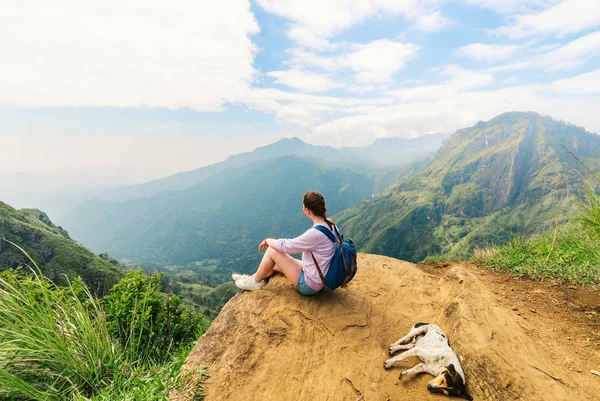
x=315, y=248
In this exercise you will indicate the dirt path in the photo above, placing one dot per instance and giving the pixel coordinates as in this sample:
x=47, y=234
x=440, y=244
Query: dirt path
x=517, y=339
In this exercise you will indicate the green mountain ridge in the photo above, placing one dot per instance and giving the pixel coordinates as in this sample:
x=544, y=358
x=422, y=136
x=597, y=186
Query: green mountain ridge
x=508, y=176
x=57, y=255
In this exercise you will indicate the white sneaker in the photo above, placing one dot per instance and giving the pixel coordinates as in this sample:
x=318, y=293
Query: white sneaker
x=248, y=283
x=235, y=277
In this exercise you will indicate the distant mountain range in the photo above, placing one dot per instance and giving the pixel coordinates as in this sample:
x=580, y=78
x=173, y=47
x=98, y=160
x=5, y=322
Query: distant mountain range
x=394, y=152
x=223, y=217
x=509, y=176
x=388, y=152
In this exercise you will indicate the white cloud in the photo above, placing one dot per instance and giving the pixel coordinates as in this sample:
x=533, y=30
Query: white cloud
x=573, y=53
x=487, y=53
x=182, y=53
x=566, y=57
x=459, y=80
x=584, y=84
x=566, y=17
x=464, y=109
x=305, y=81
x=511, y=6
x=316, y=21
x=299, y=108
x=302, y=58
x=377, y=61
x=434, y=22
x=361, y=67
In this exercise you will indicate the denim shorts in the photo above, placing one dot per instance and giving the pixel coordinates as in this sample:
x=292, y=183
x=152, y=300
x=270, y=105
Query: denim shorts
x=302, y=287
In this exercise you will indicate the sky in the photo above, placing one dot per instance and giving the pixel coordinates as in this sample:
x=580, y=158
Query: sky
x=159, y=87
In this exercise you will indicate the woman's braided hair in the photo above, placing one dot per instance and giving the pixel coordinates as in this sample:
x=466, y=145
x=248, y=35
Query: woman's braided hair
x=314, y=201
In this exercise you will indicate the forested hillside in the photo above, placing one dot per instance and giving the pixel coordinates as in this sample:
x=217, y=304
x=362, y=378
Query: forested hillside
x=510, y=176
x=52, y=249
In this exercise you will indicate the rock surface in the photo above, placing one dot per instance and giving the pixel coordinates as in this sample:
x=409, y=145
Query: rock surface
x=278, y=345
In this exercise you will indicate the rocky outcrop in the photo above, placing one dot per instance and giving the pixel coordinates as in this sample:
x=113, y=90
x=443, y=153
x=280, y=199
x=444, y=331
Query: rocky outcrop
x=276, y=345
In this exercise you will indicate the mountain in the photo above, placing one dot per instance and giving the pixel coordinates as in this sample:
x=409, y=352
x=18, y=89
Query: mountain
x=387, y=152
x=51, y=248
x=332, y=346
x=187, y=179
x=224, y=216
x=509, y=176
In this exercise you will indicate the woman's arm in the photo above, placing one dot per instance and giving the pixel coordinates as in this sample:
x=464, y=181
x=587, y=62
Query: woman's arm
x=266, y=243
x=305, y=242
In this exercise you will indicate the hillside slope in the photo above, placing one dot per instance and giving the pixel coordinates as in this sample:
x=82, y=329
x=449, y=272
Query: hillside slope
x=509, y=176
x=52, y=249
x=278, y=345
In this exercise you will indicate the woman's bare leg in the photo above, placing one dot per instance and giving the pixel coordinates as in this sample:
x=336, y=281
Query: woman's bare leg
x=276, y=269
x=273, y=260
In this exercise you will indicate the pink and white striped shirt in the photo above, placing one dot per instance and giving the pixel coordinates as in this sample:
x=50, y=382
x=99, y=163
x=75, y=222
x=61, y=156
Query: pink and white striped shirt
x=321, y=246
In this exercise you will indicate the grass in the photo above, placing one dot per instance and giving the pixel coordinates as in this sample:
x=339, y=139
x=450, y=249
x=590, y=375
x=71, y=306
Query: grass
x=443, y=258
x=157, y=382
x=571, y=254
x=55, y=345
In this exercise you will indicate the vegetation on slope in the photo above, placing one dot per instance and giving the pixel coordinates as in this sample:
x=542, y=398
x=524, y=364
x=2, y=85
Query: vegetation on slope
x=505, y=177
x=62, y=343
x=59, y=257
x=571, y=253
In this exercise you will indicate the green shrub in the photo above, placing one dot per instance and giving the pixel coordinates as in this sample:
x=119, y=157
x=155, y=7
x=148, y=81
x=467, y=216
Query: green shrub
x=148, y=323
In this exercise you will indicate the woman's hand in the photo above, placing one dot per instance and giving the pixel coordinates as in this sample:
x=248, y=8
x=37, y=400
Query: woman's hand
x=263, y=245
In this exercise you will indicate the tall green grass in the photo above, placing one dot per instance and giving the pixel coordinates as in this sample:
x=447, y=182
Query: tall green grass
x=55, y=344
x=571, y=254
x=590, y=208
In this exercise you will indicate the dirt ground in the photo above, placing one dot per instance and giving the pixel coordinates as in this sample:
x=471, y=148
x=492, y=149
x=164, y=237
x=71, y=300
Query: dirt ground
x=516, y=339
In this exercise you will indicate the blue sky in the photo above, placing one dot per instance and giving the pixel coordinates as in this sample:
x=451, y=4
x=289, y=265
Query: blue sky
x=170, y=86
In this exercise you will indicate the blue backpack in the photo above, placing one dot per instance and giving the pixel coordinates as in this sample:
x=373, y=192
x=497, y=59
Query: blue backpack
x=343, y=264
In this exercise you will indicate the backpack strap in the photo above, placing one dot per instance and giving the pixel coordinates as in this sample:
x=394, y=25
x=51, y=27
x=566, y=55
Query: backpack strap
x=328, y=232
x=318, y=268
x=332, y=237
